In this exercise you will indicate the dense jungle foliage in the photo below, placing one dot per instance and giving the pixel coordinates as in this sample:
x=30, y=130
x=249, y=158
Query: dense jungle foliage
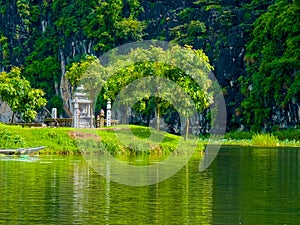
x=253, y=46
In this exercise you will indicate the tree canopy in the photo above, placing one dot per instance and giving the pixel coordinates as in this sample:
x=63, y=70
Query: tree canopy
x=185, y=67
x=273, y=59
x=19, y=95
x=256, y=40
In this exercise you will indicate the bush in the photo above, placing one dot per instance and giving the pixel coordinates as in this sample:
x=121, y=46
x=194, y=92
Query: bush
x=111, y=145
x=292, y=134
x=138, y=146
x=266, y=140
x=239, y=135
x=9, y=139
x=255, y=128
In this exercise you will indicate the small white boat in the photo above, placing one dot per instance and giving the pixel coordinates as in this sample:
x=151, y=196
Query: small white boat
x=21, y=151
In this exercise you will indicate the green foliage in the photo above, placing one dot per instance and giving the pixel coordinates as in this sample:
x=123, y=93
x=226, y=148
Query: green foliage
x=273, y=62
x=38, y=34
x=19, y=95
x=56, y=140
x=107, y=25
x=78, y=69
x=265, y=140
x=138, y=146
x=289, y=135
x=134, y=7
x=186, y=13
x=24, y=11
x=139, y=142
x=139, y=65
x=9, y=139
x=4, y=51
x=204, y=26
x=141, y=132
x=239, y=135
x=42, y=66
x=130, y=29
x=52, y=134
x=188, y=33
x=180, y=58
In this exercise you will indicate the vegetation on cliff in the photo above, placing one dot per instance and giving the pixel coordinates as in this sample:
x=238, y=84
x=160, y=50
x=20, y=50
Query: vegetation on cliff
x=252, y=45
x=273, y=71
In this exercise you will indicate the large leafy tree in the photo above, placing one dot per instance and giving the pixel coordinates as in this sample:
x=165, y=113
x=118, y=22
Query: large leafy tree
x=89, y=72
x=185, y=67
x=19, y=95
x=273, y=59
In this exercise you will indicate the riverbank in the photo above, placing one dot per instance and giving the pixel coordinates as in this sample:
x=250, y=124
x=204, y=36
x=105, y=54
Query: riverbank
x=124, y=140
x=56, y=140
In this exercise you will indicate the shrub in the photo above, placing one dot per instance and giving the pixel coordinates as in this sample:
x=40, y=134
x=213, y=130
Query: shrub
x=9, y=139
x=255, y=128
x=138, y=146
x=239, y=135
x=291, y=134
x=266, y=140
x=111, y=145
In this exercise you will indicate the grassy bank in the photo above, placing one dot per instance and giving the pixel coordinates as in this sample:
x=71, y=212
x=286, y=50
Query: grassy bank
x=137, y=139
x=117, y=140
x=282, y=138
x=56, y=140
x=133, y=140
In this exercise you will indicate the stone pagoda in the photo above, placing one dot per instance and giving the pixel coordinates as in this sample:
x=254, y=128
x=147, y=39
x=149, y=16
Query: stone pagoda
x=82, y=111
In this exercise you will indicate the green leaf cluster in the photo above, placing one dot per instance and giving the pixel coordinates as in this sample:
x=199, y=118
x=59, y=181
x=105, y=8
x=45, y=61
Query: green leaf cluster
x=127, y=77
x=19, y=95
x=273, y=59
x=43, y=37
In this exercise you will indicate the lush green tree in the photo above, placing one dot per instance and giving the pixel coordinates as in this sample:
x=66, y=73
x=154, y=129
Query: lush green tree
x=273, y=59
x=185, y=67
x=89, y=73
x=77, y=70
x=19, y=95
x=108, y=27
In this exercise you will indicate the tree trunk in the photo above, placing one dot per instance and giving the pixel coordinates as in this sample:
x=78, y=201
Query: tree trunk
x=187, y=121
x=126, y=115
x=65, y=87
x=157, y=116
x=12, y=117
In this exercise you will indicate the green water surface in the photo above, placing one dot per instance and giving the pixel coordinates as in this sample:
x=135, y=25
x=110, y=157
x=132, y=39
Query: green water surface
x=242, y=186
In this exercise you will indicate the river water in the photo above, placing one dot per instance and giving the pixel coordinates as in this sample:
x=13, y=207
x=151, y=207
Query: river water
x=242, y=186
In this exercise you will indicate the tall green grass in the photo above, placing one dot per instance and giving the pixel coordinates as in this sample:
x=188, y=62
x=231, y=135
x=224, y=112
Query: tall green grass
x=130, y=140
x=290, y=134
x=138, y=140
x=56, y=140
x=265, y=140
x=239, y=135
x=283, y=138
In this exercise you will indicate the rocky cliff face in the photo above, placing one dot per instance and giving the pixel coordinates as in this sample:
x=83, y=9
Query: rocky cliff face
x=220, y=27
x=223, y=41
x=5, y=112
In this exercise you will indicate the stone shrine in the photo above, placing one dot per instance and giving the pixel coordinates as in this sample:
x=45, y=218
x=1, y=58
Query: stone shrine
x=82, y=112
